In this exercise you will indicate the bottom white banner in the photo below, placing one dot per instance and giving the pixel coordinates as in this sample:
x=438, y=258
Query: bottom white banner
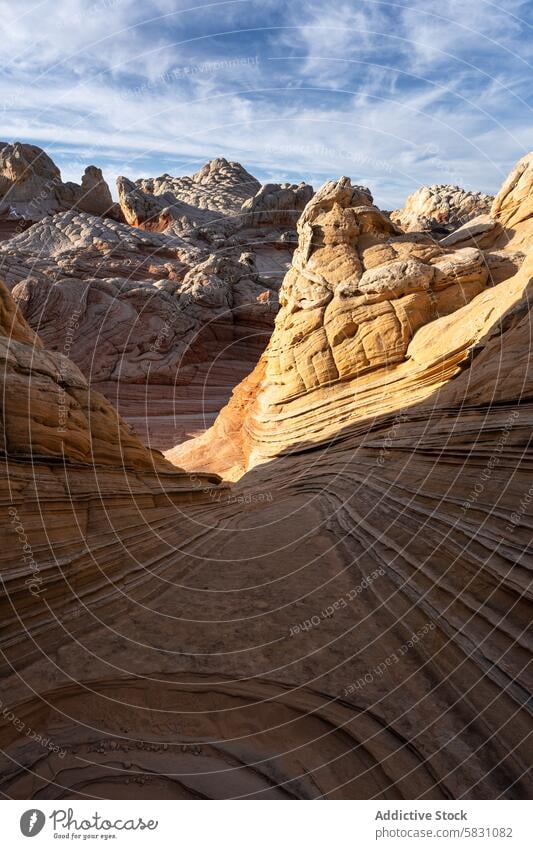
x=263, y=825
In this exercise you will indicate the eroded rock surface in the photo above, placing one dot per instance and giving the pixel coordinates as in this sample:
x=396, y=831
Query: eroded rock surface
x=132, y=306
x=31, y=186
x=441, y=209
x=185, y=300
x=358, y=293
x=351, y=618
x=216, y=192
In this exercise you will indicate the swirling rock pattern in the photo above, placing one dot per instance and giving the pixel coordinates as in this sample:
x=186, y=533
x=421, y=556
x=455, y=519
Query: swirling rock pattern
x=216, y=191
x=350, y=618
x=133, y=307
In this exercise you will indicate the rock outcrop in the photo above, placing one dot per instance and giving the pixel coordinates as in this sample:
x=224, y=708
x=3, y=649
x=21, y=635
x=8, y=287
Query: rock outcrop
x=31, y=186
x=277, y=204
x=213, y=193
x=440, y=209
x=508, y=228
x=513, y=206
x=65, y=452
x=350, y=618
x=186, y=300
x=49, y=410
x=358, y=293
x=214, y=204
x=135, y=308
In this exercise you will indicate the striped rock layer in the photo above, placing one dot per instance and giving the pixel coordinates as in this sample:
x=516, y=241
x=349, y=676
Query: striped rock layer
x=351, y=617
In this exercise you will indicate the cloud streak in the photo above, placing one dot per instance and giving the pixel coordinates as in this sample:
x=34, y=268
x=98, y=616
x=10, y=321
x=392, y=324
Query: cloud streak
x=395, y=94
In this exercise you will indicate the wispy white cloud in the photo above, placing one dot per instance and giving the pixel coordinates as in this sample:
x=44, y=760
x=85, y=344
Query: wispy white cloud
x=395, y=94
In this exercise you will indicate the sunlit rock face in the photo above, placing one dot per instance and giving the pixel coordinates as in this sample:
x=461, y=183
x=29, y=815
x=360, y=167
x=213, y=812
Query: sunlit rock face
x=350, y=618
x=513, y=206
x=31, y=186
x=389, y=419
x=353, y=305
x=213, y=193
x=441, y=209
x=221, y=201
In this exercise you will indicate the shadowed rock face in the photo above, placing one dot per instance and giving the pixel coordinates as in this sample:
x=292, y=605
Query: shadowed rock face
x=31, y=186
x=187, y=302
x=350, y=619
x=49, y=411
x=138, y=308
x=441, y=209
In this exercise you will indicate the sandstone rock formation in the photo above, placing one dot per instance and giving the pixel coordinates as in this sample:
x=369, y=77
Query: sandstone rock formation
x=513, y=206
x=31, y=186
x=351, y=618
x=508, y=227
x=387, y=416
x=279, y=205
x=187, y=302
x=440, y=209
x=49, y=410
x=357, y=295
x=219, y=205
x=134, y=307
x=215, y=192
x=71, y=465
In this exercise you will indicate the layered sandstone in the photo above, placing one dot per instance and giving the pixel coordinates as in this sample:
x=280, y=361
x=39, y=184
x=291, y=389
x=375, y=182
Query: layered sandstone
x=357, y=296
x=133, y=307
x=72, y=472
x=351, y=618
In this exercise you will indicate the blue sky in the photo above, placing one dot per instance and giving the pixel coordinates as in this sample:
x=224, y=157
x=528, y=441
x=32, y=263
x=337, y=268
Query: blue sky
x=393, y=94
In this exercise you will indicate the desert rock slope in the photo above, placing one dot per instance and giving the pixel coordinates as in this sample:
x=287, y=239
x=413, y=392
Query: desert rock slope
x=184, y=301
x=348, y=614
